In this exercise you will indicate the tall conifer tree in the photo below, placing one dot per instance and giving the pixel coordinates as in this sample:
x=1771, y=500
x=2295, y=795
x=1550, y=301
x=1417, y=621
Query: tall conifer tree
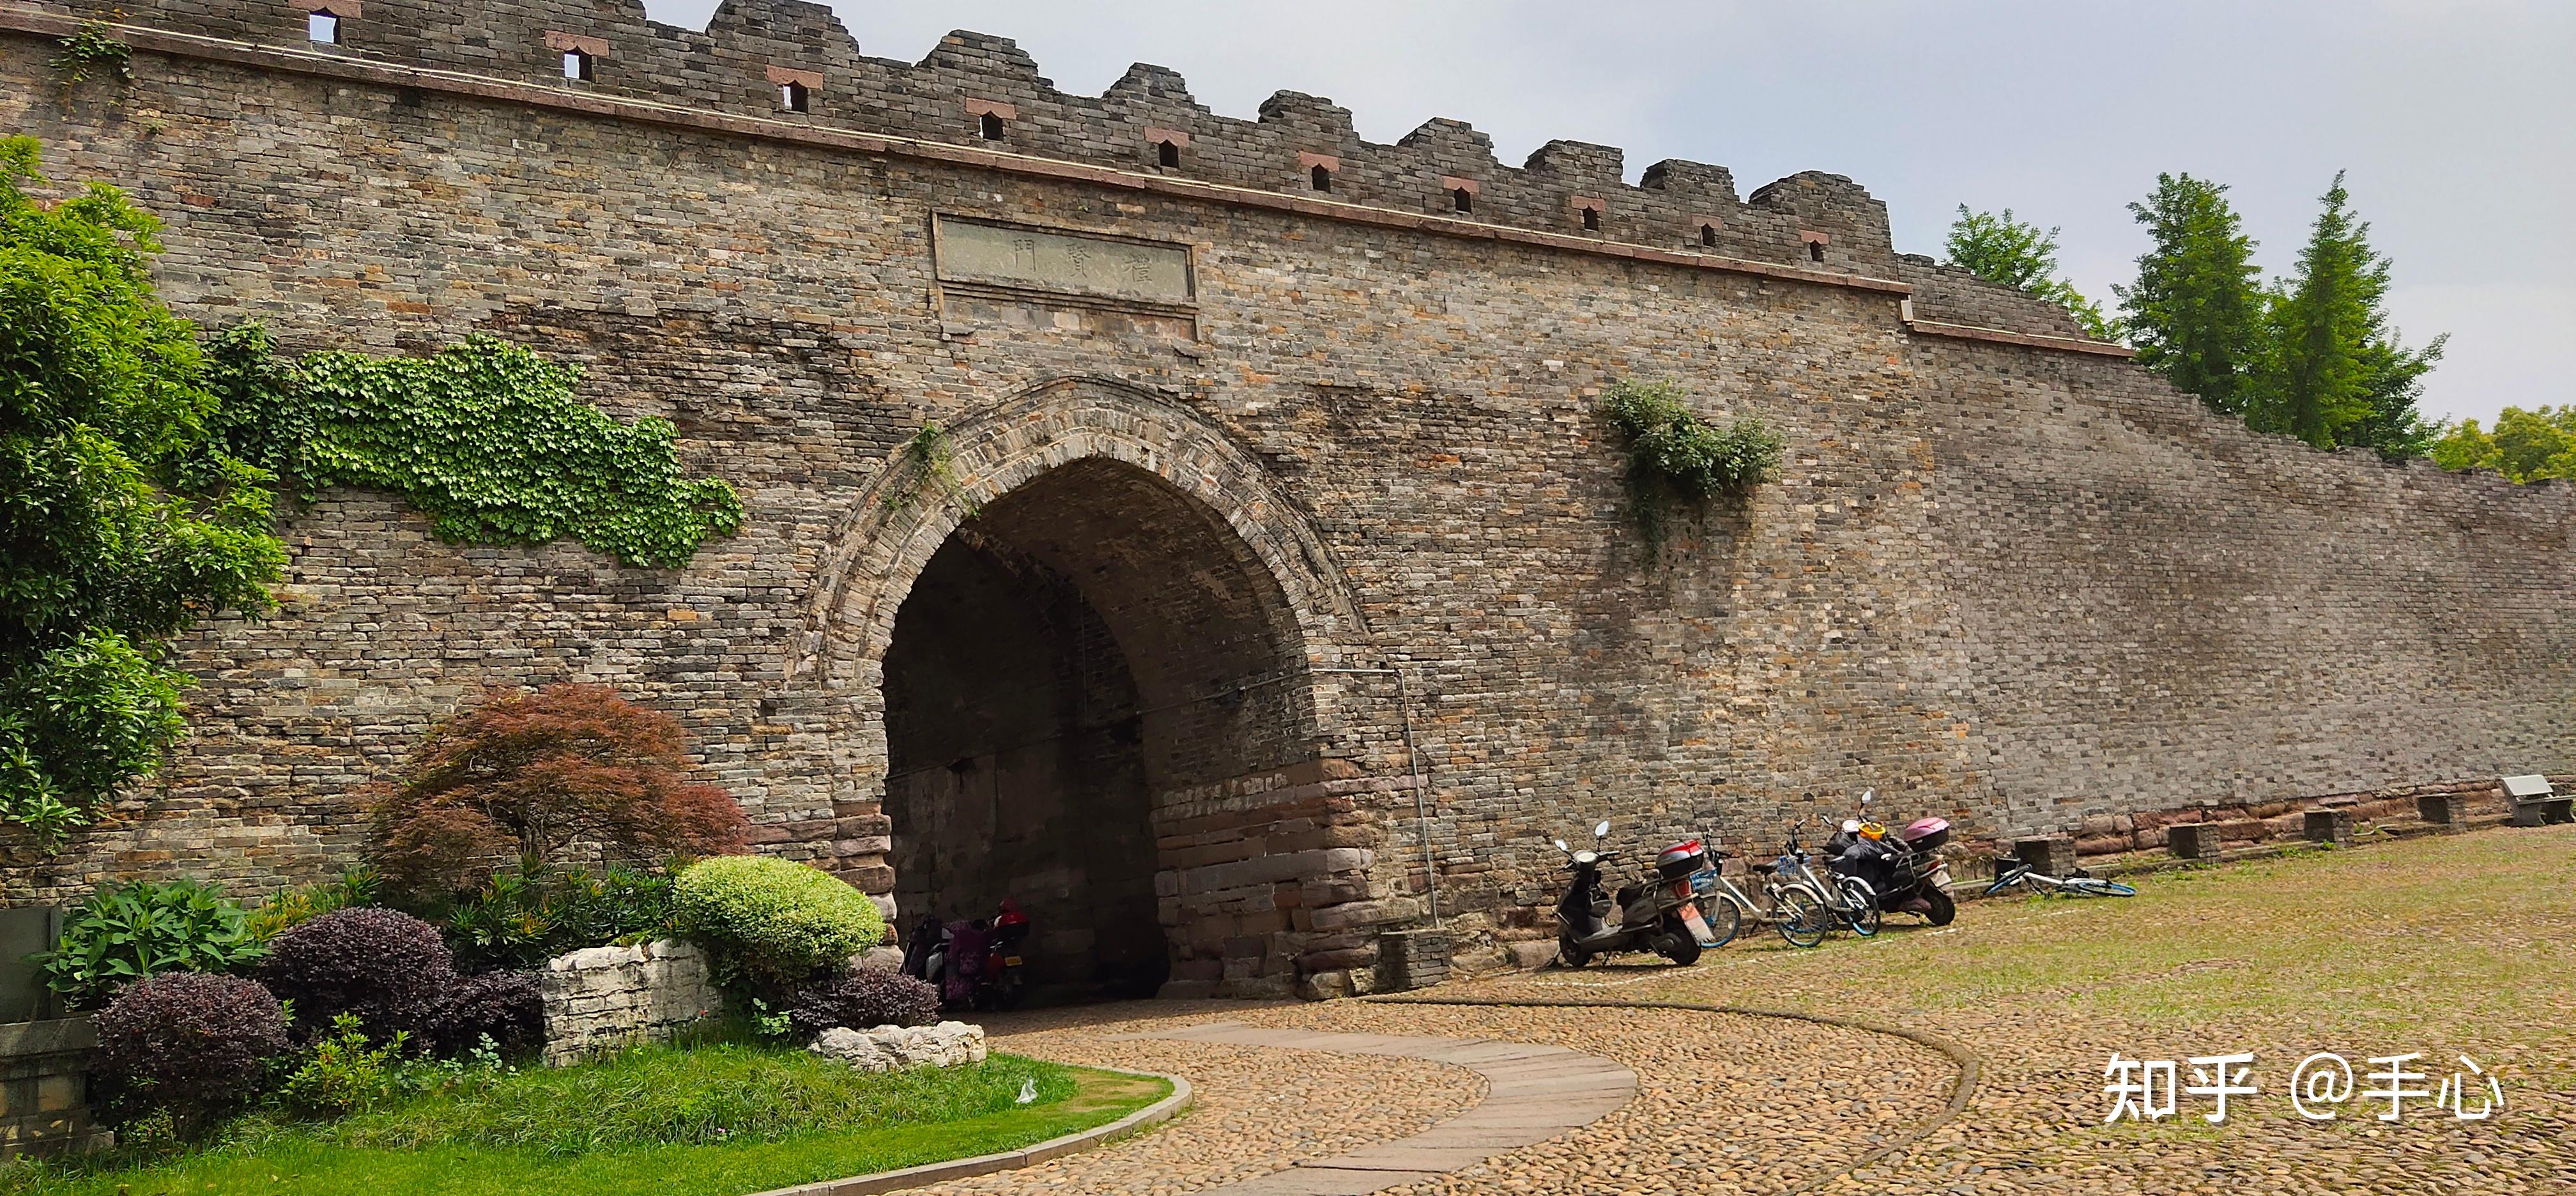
x=2334, y=372
x=2196, y=313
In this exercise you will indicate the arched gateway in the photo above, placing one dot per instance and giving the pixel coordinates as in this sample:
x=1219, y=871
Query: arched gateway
x=1122, y=691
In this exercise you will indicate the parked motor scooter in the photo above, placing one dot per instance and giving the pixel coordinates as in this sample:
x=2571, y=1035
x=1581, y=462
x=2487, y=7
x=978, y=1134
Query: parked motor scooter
x=975, y=962
x=1904, y=867
x=1657, y=913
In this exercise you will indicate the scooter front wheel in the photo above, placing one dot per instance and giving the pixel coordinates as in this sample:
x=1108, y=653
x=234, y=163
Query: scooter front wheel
x=1571, y=955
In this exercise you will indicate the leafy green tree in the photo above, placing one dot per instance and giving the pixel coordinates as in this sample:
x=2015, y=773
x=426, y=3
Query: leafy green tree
x=122, y=521
x=2333, y=371
x=2196, y=312
x=2527, y=446
x=1995, y=247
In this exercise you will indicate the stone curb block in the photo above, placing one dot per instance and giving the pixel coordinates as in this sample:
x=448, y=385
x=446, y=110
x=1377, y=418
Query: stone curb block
x=1009, y=1160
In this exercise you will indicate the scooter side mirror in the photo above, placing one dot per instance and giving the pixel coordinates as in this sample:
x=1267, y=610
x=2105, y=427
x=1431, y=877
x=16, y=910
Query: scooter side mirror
x=1602, y=831
x=1865, y=795
x=1560, y=846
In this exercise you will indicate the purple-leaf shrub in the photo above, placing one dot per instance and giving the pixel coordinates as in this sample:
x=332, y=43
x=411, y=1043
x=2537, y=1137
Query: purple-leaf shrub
x=505, y=1005
x=864, y=997
x=189, y=1043
x=387, y=967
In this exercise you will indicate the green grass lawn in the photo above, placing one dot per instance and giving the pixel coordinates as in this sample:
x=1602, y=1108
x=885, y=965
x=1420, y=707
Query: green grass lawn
x=712, y=1120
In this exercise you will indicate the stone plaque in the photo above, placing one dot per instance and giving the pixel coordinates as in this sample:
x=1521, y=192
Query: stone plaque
x=1010, y=255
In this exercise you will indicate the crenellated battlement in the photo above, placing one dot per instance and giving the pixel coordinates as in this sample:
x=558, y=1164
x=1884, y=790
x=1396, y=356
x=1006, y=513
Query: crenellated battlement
x=771, y=58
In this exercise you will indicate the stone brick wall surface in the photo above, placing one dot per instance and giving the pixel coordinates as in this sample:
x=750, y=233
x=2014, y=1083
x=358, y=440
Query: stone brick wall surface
x=604, y=998
x=1346, y=506
x=44, y=1087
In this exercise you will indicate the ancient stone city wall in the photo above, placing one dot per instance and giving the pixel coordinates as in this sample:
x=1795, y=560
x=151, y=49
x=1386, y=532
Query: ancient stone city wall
x=1325, y=465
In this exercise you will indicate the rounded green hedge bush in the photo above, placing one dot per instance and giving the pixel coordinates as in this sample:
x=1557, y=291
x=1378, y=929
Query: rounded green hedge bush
x=775, y=922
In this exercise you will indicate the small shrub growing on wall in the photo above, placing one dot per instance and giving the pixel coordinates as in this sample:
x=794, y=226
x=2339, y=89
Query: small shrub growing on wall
x=774, y=924
x=926, y=463
x=92, y=48
x=185, y=1044
x=526, y=776
x=1676, y=460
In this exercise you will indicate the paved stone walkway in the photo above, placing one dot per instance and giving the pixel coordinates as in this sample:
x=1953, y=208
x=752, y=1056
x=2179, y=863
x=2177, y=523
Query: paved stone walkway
x=1722, y=1104
x=1533, y=1093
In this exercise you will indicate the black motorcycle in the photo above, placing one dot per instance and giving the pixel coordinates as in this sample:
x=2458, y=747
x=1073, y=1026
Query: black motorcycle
x=1659, y=913
x=1905, y=867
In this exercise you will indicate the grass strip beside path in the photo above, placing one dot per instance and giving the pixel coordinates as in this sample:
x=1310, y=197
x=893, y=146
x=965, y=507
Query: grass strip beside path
x=311, y=1165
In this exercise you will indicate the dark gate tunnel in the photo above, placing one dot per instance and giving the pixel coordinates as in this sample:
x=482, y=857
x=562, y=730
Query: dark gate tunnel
x=1089, y=641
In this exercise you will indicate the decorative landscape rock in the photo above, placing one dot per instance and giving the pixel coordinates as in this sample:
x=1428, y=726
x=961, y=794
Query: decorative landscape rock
x=603, y=998
x=893, y=1048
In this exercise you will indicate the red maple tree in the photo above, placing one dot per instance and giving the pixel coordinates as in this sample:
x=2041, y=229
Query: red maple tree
x=531, y=774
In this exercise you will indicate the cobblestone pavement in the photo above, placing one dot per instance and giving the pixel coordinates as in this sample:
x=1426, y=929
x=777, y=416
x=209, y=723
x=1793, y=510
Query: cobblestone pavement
x=1725, y=1105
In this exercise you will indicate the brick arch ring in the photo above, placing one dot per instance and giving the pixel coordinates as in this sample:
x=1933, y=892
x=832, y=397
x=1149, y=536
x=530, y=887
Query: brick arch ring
x=882, y=545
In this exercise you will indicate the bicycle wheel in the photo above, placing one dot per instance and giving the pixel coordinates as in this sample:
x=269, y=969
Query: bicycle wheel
x=1801, y=919
x=1859, y=906
x=1724, y=922
x=2094, y=886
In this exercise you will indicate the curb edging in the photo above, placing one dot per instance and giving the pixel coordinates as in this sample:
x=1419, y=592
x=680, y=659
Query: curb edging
x=1970, y=1066
x=1008, y=1160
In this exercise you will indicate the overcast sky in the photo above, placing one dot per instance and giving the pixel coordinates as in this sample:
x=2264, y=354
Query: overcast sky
x=2455, y=120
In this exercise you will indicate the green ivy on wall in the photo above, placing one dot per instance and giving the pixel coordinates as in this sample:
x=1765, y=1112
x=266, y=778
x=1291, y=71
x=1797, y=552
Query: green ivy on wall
x=484, y=436
x=1678, y=461
x=91, y=48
